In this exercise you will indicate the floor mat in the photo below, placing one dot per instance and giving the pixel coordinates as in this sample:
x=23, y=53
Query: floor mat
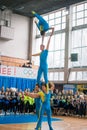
x=18, y=119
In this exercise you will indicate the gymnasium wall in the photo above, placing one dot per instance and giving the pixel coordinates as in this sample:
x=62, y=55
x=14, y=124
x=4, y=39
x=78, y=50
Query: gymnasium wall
x=18, y=47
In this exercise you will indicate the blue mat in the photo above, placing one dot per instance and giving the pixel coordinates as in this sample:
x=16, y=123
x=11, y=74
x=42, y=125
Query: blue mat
x=18, y=119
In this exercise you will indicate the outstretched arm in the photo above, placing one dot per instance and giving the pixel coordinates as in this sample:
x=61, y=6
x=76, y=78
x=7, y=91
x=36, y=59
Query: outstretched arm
x=38, y=54
x=33, y=95
x=37, y=24
x=49, y=39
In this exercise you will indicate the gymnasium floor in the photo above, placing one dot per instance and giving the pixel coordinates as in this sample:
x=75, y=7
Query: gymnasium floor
x=67, y=123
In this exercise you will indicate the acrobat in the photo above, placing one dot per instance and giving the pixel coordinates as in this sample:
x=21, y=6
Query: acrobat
x=43, y=67
x=42, y=25
x=45, y=107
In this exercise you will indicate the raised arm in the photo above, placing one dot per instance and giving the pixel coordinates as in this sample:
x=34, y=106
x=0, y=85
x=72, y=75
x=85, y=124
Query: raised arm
x=52, y=28
x=49, y=39
x=37, y=24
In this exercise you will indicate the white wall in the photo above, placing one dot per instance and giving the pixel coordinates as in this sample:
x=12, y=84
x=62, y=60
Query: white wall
x=18, y=47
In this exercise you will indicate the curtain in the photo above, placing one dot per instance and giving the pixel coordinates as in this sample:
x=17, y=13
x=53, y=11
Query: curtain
x=20, y=83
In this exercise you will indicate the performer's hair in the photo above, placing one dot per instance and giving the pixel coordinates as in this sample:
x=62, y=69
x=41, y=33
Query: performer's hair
x=38, y=85
x=50, y=84
x=43, y=84
x=42, y=45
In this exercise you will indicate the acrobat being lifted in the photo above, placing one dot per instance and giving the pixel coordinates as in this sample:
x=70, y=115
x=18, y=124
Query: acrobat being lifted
x=42, y=25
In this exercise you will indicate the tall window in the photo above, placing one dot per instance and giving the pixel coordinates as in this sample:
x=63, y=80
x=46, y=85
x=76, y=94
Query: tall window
x=79, y=34
x=79, y=42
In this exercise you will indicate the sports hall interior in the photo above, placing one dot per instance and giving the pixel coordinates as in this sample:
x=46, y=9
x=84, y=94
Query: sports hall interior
x=67, y=59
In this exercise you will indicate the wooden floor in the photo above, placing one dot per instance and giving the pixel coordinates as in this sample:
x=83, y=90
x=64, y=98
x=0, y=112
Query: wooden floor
x=67, y=123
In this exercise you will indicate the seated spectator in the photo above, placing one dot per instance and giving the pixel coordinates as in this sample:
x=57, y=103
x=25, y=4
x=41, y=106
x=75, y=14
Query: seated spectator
x=27, y=65
x=24, y=65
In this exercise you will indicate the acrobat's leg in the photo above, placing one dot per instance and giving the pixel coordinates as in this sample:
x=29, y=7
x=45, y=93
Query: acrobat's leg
x=45, y=72
x=38, y=127
x=48, y=111
x=39, y=17
x=39, y=75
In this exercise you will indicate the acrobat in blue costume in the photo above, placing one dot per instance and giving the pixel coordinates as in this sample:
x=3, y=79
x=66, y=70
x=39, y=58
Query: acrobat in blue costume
x=45, y=108
x=42, y=25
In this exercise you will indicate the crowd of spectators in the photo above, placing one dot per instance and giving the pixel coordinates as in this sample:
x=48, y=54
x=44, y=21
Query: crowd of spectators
x=14, y=101
x=69, y=103
x=62, y=103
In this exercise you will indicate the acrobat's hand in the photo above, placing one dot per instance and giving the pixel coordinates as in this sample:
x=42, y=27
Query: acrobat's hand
x=35, y=21
x=27, y=94
x=33, y=12
x=52, y=31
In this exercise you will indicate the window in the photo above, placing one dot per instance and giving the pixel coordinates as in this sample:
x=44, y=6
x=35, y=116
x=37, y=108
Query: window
x=79, y=46
x=79, y=42
x=55, y=76
x=78, y=76
x=80, y=14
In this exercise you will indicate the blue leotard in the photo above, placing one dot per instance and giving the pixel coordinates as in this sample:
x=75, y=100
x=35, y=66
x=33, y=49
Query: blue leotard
x=43, y=68
x=45, y=108
x=42, y=24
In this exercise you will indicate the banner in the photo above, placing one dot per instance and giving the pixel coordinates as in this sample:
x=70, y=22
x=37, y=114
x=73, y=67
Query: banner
x=18, y=72
x=70, y=87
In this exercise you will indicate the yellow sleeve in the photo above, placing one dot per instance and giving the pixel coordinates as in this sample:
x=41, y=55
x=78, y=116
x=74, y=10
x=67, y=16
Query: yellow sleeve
x=42, y=96
x=47, y=88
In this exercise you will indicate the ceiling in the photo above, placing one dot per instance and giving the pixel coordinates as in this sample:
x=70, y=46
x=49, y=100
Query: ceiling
x=24, y=7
